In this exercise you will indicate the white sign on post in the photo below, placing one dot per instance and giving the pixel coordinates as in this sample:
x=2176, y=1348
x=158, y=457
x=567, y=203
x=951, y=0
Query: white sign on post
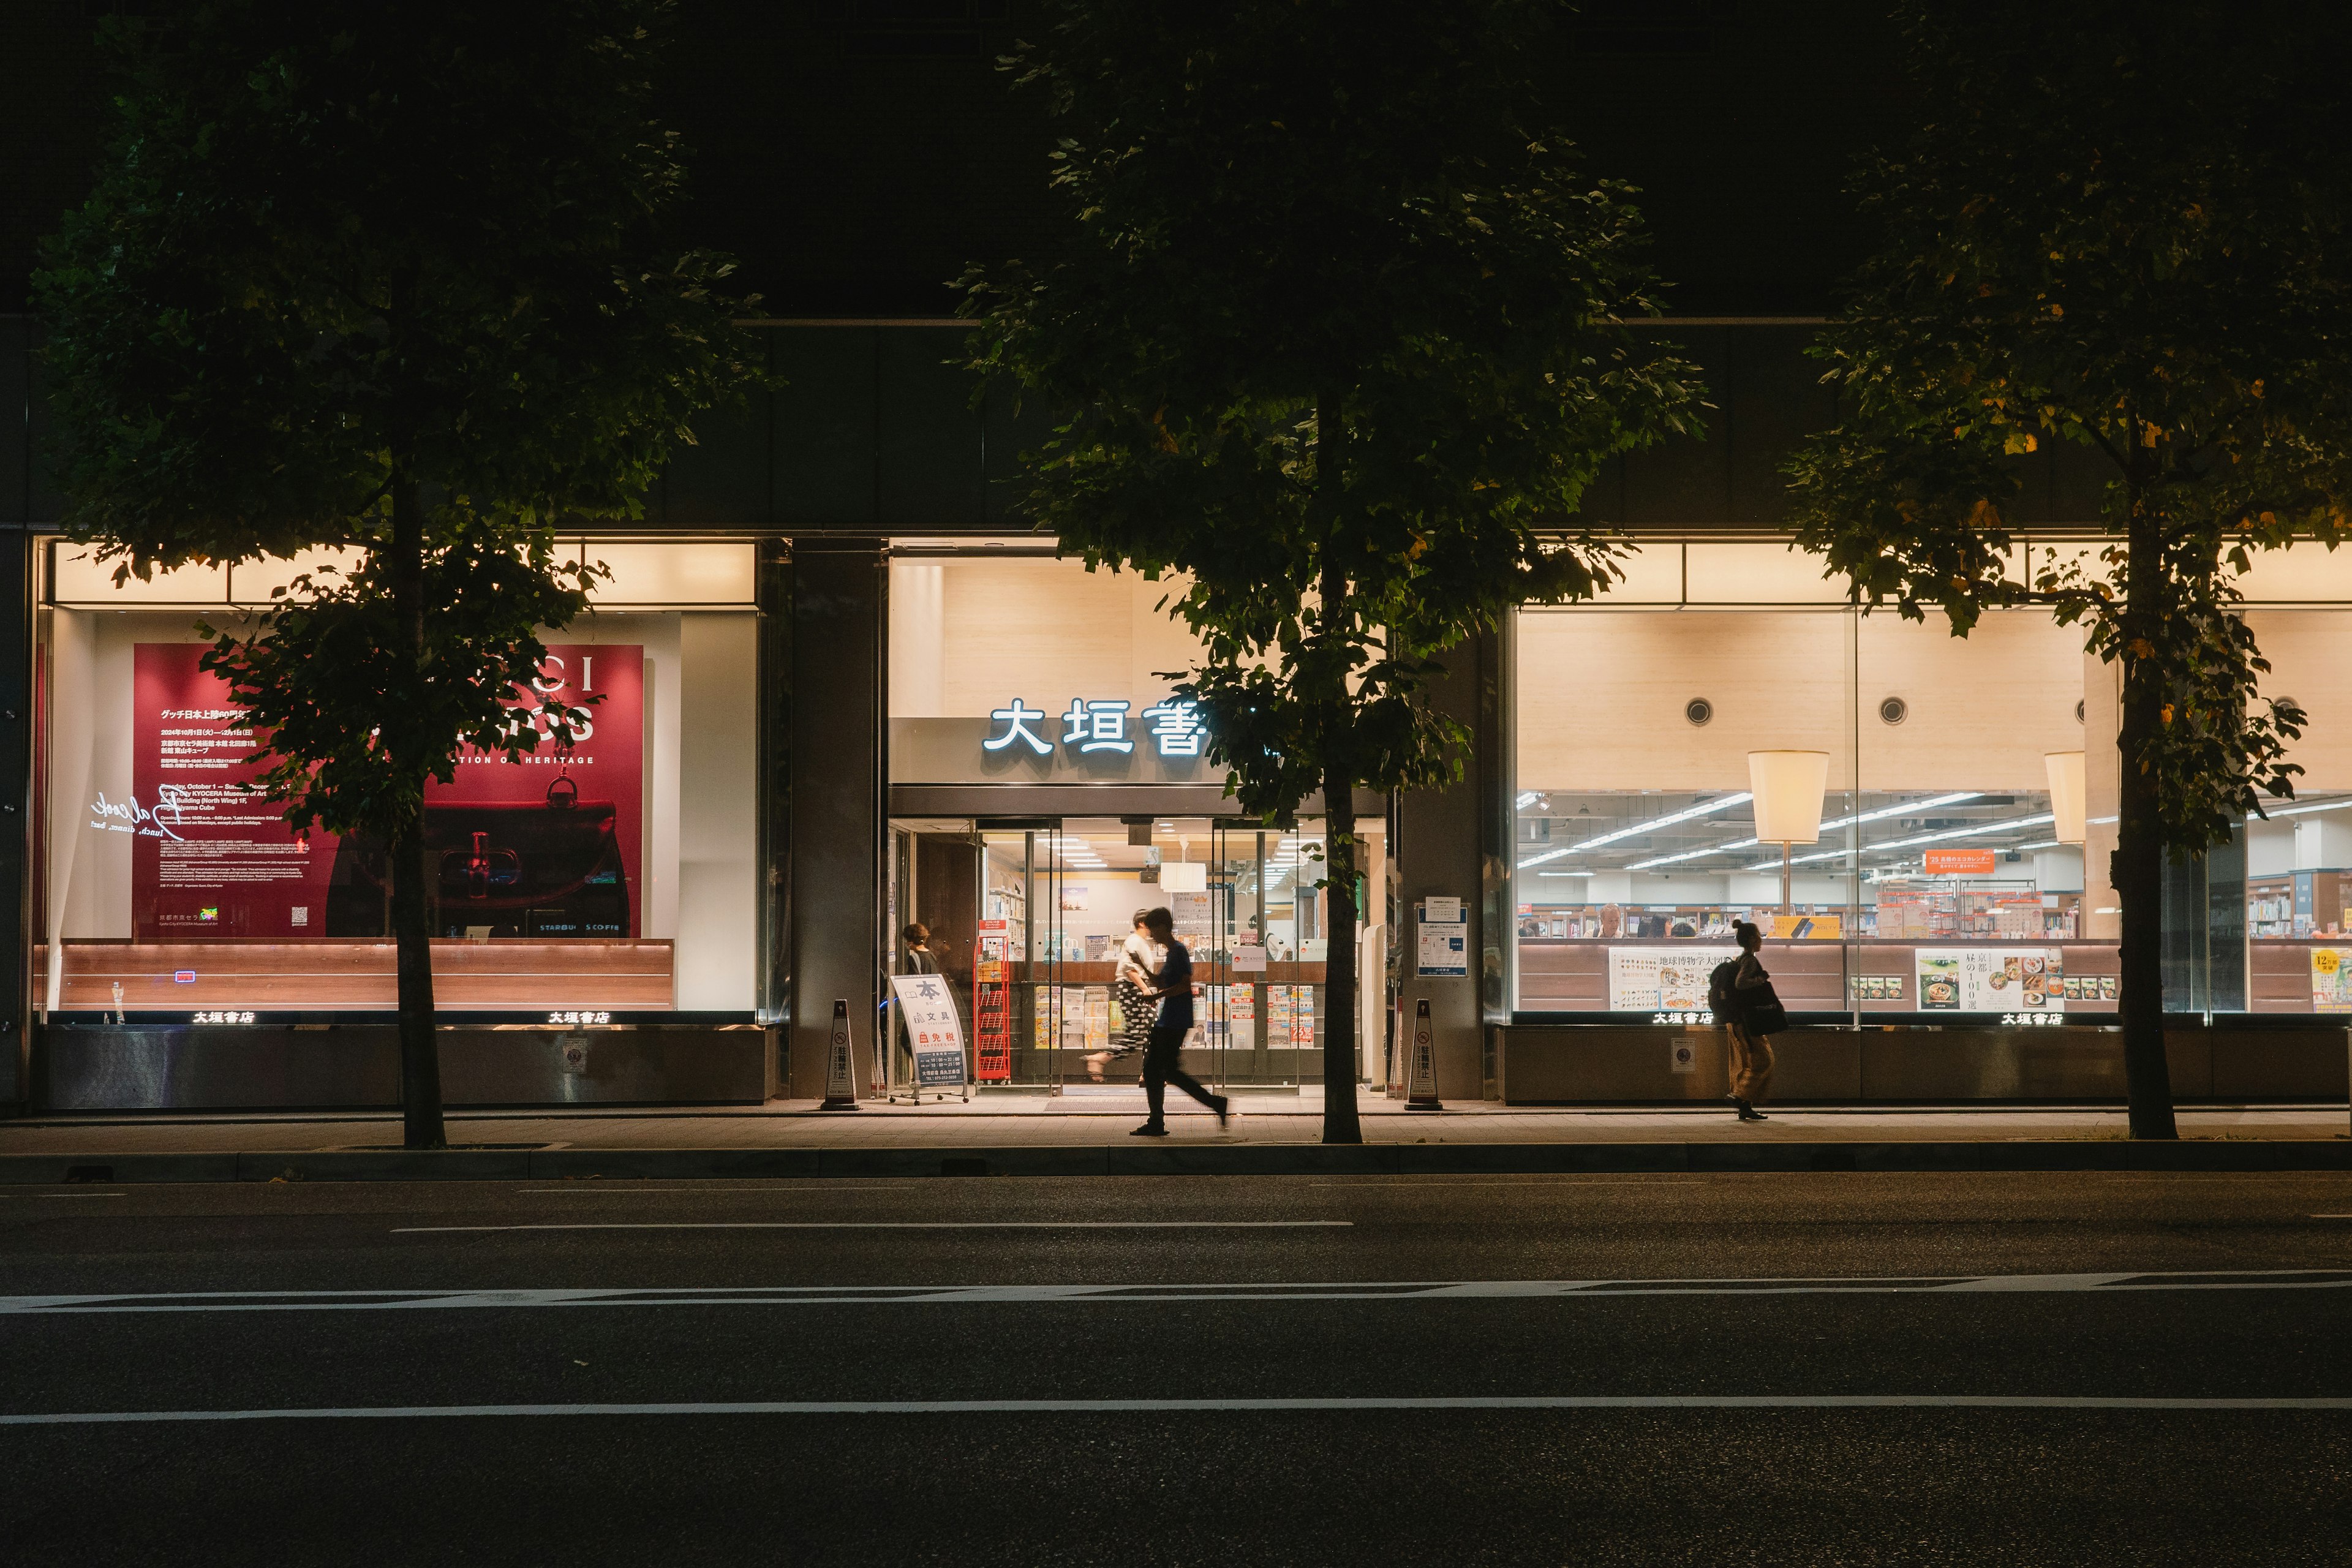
x=1444, y=950
x=934, y=1028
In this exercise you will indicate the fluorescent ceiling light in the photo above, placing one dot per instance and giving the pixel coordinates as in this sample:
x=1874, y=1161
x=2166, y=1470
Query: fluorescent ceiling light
x=1917, y=838
x=1886, y=811
x=2283, y=811
x=1878, y=815
x=1695, y=854
x=1639, y=828
x=1564, y=873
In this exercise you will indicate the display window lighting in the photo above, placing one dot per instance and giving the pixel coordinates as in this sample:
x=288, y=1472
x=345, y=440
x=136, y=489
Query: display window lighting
x=1878, y=815
x=2282, y=811
x=2008, y=826
x=1689, y=814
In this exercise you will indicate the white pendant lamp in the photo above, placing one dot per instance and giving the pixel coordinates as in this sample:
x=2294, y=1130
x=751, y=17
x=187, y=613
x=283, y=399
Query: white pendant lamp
x=1788, y=787
x=2068, y=796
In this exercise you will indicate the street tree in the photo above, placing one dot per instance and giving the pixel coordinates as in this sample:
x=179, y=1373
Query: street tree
x=1336, y=339
x=386, y=279
x=2130, y=235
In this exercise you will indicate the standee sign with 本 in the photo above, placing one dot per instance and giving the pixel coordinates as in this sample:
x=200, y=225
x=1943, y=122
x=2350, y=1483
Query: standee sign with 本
x=934, y=1028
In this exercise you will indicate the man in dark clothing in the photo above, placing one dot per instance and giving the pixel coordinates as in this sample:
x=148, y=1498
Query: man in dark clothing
x=1161, y=1066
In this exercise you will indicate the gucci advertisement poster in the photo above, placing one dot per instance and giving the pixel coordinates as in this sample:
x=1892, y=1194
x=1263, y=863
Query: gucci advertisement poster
x=549, y=846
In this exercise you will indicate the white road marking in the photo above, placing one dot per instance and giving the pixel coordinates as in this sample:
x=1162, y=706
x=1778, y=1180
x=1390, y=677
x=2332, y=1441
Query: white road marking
x=395, y=1299
x=900, y=1225
x=1178, y=1406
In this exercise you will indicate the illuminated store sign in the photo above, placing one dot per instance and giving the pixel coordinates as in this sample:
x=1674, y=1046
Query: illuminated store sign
x=1099, y=724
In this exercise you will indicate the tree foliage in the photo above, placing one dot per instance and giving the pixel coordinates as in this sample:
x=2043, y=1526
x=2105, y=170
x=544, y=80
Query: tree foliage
x=388, y=277
x=341, y=252
x=2129, y=236
x=1336, y=340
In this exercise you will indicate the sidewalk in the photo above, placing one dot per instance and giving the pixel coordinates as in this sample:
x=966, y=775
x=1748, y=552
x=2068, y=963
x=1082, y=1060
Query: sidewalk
x=1089, y=1129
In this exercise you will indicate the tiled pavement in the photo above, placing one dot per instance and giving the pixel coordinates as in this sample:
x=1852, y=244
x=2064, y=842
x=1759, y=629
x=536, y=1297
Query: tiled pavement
x=1094, y=1119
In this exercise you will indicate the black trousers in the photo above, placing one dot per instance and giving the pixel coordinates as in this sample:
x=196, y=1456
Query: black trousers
x=1161, y=1068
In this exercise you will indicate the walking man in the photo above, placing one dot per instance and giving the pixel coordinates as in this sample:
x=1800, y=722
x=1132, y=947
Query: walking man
x=1161, y=1066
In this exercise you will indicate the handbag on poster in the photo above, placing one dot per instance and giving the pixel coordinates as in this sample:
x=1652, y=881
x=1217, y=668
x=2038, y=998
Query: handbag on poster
x=522, y=869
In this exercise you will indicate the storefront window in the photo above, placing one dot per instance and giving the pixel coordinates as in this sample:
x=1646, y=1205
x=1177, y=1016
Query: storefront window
x=1046, y=784
x=1966, y=809
x=617, y=877
x=1926, y=874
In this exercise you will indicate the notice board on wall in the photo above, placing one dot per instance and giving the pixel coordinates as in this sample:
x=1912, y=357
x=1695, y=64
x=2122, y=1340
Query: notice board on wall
x=549, y=846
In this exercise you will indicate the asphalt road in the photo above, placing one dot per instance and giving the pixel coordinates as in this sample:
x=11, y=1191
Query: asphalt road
x=1800, y=1369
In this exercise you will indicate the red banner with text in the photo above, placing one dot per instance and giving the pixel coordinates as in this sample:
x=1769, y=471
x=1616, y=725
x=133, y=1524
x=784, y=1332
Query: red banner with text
x=549, y=846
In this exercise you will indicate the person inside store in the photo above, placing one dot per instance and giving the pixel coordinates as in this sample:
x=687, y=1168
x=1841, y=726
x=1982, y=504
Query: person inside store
x=919, y=960
x=1139, y=960
x=1161, y=1066
x=1751, y=1013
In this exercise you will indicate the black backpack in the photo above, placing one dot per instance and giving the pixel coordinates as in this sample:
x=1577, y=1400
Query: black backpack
x=1719, y=993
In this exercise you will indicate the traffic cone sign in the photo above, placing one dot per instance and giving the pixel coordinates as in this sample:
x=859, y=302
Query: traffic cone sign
x=840, y=1072
x=1420, y=1074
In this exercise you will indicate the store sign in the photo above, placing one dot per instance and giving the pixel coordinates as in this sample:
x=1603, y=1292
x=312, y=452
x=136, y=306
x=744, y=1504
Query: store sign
x=1091, y=725
x=547, y=846
x=1959, y=862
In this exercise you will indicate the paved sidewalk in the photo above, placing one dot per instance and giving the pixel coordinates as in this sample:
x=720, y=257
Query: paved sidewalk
x=1095, y=1119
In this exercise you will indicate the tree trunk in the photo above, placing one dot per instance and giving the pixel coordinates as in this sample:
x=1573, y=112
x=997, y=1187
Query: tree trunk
x=2138, y=868
x=412, y=910
x=1342, y=1124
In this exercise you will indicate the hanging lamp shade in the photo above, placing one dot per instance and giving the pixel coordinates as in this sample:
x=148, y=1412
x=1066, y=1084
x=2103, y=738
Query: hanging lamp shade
x=1788, y=787
x=2067, y=795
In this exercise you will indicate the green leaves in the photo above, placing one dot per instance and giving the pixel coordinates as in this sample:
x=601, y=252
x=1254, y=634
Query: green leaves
x=2101, y=247
x=355, y=723
x=1337, y=343
x=389, y=275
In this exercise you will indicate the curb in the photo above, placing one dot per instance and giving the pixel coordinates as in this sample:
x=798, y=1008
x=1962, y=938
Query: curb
x=1178, y=1160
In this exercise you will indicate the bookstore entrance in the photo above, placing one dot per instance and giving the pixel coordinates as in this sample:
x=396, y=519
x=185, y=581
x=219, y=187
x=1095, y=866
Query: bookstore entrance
x=1030, y=919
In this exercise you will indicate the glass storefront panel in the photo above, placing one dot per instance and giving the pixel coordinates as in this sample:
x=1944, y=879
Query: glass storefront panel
x=1951, y=875
x=617, y=877
x=1026, y=921
x=1926, y=875
x=1033, y=728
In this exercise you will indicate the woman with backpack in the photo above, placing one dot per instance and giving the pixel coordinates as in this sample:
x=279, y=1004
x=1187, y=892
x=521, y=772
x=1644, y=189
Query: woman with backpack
x=1752, y=1014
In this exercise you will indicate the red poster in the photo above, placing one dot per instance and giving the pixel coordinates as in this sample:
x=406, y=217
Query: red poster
x=550, y=847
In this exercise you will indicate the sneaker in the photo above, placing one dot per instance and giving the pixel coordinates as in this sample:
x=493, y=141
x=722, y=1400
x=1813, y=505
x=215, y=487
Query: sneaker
x=1148, y=1129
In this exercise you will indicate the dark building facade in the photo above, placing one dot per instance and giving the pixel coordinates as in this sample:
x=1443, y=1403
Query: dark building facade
x=845, y=692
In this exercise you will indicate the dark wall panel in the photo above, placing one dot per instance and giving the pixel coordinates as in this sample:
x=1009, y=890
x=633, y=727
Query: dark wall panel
x=1686, y=482
x=16, y=390
x=1013, y=424
x=930, y=472
x=722, y=480
x=1772, y=398
x=824, y=427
